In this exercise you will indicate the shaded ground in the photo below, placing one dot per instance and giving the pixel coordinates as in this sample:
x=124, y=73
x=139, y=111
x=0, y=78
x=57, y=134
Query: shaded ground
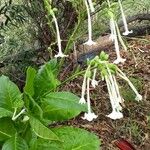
x=135, y=126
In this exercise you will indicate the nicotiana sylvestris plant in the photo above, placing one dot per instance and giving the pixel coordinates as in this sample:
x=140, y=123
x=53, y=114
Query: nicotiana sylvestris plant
x=90, y=41
x=108, y=72
x=51, y=12
x=26, y=118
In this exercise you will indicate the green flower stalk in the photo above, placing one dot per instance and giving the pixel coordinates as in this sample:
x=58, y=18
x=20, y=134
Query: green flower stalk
x=90, y=41
x=124, y=20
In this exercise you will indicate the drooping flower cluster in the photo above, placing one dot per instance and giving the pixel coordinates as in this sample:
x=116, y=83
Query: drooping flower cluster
x=108, y=72
x=85, y=90
x=115, y=33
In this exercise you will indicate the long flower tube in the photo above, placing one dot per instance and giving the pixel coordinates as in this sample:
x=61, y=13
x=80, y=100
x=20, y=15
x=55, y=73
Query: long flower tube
x=120, y=38
x=112, y=36
x=124, y=20
x=94, y=82
x=91, y=5
x=116, y=108
x=89, y=115
x=82, y=99
x=114, y=88
x=90, y=41
x=119, y=58
x=60, y=53
x=123, y=76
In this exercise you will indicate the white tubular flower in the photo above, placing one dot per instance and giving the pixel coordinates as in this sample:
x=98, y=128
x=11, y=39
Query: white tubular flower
x=114, y=95
x=119, y=58
x=89, y=115
x=91, y=5
x=115, y=115
x=94, y=82
x=89, y=42
x=60, y=53
x=124, y=20
x=112, y=36
x=82, y=99
x=123, y=76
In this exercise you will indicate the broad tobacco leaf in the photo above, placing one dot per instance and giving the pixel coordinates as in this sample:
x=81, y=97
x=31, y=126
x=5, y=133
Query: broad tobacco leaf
x=58, y=106
x=73, y=139
x=42, y=131
x=7, y=129
x=5, y=113
x=30, y=76
x=46, y=78
x=10, y=95
x=15, y=143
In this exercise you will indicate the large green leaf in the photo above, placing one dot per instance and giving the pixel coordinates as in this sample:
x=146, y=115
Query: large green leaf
x=5, y=113
x=59, y=106
x=15, y=143
x=7, y=129
x=73, y=139
x=46, y=78
x=33, y=106
x=42, y=131
x=29, y=87
x=10, y=96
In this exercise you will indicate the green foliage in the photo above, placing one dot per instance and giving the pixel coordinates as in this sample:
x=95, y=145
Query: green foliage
x=73, y=138
x=60, y=106
x=15, y=143
x=29, y=129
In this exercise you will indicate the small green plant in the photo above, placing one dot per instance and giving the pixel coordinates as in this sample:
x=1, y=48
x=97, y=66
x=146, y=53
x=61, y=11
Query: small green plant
x=25, y=117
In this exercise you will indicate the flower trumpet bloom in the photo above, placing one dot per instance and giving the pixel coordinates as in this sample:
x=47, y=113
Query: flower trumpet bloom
x=114, y=95
x=90, y=41
x=60, y=53
x=89, y=115
x=115, y=115
x=124, y=20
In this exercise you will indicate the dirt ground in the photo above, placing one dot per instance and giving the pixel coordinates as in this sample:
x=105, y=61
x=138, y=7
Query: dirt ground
x=135, y=126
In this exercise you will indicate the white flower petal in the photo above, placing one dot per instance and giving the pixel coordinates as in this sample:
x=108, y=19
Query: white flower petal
x=127, y=32
x=61, y=55
x=89, y=116
x=119, y=60
x=90, y=42
x=115, y=115
x=94, y=83
x=138, y=97
x=82, y=100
